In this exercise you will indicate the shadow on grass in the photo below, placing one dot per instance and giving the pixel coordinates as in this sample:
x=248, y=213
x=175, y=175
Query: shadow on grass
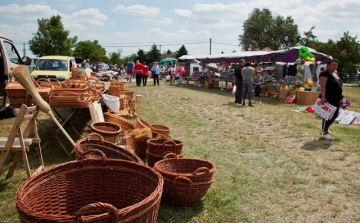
x=3, y=184
x=168, y=213
x=317, y=144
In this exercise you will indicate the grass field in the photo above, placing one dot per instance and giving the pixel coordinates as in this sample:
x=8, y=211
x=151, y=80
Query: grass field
x=271, y=164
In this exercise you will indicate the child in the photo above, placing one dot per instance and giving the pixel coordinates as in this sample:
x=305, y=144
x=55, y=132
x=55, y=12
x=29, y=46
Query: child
x=258, y=81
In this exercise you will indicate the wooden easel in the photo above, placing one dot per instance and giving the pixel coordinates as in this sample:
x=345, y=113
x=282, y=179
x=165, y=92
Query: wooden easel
x=19, y=142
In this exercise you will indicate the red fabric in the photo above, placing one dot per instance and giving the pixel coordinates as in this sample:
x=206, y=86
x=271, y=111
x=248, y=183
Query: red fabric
x=138, y=68
x=181, y=71
x=146, y=71
x=130, y=72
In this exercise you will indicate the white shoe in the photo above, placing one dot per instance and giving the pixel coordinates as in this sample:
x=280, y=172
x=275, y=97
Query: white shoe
x=327, y=136
x=260, y=102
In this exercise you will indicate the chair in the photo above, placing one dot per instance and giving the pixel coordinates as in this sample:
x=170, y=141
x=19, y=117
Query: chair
x=19, y=142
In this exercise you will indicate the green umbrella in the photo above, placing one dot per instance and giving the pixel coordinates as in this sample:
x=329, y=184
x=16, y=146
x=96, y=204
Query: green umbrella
x=168, y=60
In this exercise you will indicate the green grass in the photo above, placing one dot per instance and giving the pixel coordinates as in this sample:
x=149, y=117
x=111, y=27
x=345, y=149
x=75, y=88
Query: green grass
x=271, y=165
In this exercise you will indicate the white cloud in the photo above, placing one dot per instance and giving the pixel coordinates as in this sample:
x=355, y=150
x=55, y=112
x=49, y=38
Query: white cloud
x=137, y=10
x=23, y=31
x=153, y=20
x=71, y=7
x=341, y=11
x=27, y=12
x=123, y=35
x=91, y=17
x=92, y=35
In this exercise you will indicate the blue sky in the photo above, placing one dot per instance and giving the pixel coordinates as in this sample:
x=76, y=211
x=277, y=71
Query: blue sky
x=130, y=25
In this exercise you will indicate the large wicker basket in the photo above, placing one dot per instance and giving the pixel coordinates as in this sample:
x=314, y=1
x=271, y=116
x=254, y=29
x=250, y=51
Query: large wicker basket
x=101, y=191
x=111, y=150
x=141, y=124
x=195, y=169
x=152, y=158
x=159, y=145
x=110, y=131
x=182, y=192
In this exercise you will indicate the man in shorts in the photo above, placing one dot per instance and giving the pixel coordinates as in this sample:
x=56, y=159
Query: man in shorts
x=129, y=69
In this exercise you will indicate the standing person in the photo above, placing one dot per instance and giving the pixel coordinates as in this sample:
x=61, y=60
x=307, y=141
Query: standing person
x=258, y=81
x=248, y=74
x=239, y=81
x=331, y=92
x=172, y=74
x=181, y=72
x=156, y=71
x=122, y=69
x=129, y=69
x=139, y=69
x=145, y=74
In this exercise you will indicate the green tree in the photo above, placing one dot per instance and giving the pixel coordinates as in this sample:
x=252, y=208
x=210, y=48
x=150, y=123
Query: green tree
x=115, y=57
x=346, y=50
x=141, y=56
x=265, y=30
x=168, y=51
x=182, y=51
x=154, y=54
x=309, y=38
x=51, y=38
x=91, y=50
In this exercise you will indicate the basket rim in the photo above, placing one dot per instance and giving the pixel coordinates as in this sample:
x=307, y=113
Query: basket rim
x=53, y=172
x=93, y=127
x=154, y=142
x=156, y=166
x=156, y=155
x=194, y=184
x=162, y=127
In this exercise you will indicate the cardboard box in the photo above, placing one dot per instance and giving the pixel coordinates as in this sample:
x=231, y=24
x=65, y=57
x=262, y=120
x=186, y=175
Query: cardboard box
x=283, y=95
x=306, y=97
x=273, y=89
x=207, y=85
x=264, y=89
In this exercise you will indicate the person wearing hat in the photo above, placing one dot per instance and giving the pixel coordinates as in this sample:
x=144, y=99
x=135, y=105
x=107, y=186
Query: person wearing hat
x=181, y=72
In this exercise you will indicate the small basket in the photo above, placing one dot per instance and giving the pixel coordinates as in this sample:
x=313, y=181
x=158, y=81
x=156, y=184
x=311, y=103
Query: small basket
x=195, y=169
x=111, y=150
x=161, y=129
x=92, y=191
x=141, y=124
x=129, y=95
x=153, y=158
x=182, y=192
x=108, y=130
x=159, y=145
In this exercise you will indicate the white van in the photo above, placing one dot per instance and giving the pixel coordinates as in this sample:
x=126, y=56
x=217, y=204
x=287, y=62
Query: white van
x=9, y=59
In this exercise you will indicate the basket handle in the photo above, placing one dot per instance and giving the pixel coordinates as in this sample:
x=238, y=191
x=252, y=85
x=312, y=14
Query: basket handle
x=169, y=154
x=90, y=136
x=169, y=141
x=95, y=208
x=103, y=156
x=158, y=137
x=182, y=178
x=201, y=171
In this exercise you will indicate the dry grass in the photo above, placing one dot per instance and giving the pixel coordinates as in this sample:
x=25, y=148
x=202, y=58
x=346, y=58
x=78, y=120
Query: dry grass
x=271, y=165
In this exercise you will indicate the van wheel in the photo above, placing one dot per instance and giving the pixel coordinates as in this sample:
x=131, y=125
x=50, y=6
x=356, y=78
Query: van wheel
x=15, y=111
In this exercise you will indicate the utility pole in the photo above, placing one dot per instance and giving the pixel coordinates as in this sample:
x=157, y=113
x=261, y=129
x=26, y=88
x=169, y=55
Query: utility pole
x=24, y=51
x=210, y=46
x=160, y=49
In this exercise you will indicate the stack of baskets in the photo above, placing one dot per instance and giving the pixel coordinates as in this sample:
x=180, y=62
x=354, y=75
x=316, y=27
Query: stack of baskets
x=116, y=87
x=108, y=130
x=157, y=148
x=159, y=129
x=124, y=123
x=17, y=94
x=186, y=181
x=91, y=190
x=111, y=150
x=138, y=145
x=69, y=99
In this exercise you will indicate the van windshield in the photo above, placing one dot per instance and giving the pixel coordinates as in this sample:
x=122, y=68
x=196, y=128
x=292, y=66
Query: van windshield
x=51, y=64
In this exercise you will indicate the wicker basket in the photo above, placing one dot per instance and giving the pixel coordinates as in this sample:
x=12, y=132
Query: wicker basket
x=17, y=94
x=139, y=146
x=141, y=124
x=182, y=192
x=161, y=129
x=129, y=95
x=90, y=191
x=108, y=130
x=158, y=146
x=111, y=150
x=72, y=104
x=68, y=96
x=195, y=169
x=153, y=158
x=124, y=123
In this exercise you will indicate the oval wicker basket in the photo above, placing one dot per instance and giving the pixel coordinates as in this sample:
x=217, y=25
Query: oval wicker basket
x=91, y=191
x=195, y=169
x=141, y=124
x=182, y=192
x=111, y=150
x=153, y=158
x=161, y=129
x=108, y=130
x=158, y=146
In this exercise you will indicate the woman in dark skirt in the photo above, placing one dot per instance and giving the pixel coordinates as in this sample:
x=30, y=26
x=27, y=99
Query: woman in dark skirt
x=331, y=92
